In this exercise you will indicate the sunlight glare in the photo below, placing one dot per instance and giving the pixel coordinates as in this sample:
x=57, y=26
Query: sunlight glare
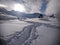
x=19, y=7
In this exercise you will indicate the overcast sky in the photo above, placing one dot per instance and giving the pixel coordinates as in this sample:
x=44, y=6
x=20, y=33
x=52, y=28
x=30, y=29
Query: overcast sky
x=31, y=6
x=53, y=7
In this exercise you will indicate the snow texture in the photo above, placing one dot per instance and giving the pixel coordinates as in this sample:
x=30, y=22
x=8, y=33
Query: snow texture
x=30, y=32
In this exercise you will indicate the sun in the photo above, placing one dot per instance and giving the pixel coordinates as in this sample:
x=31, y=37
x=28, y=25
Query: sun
x=19, y=7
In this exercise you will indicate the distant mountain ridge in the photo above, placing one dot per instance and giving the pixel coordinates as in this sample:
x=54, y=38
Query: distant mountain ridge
x=20, y=14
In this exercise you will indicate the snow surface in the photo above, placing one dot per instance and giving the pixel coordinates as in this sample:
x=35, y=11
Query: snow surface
x=11, y=26
x=32, y=31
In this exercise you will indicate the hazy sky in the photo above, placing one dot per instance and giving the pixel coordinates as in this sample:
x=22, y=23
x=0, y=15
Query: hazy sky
x=31, y=6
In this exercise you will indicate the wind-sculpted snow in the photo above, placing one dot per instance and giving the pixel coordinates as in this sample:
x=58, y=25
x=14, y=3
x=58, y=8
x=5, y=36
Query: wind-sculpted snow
x=27, y=35
x=20, y=37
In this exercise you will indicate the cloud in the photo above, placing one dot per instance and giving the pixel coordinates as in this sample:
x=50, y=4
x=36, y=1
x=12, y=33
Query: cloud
x=53, y=7
x=7, y=3
x=36, y=5
x=33, y=5
x=1, y=5
x=30, y=5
